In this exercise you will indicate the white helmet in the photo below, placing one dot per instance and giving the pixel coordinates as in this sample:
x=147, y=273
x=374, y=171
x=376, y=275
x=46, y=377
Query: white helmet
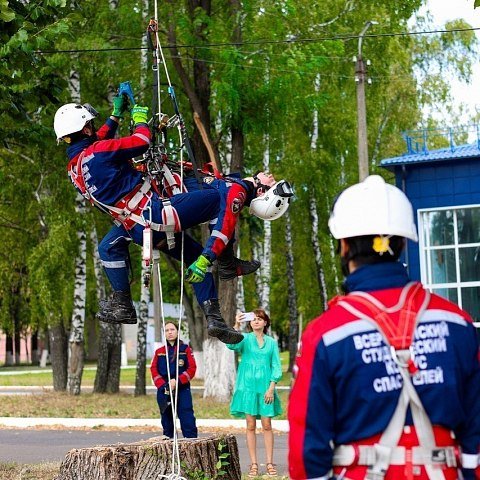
x=273, y=203
x=372, y=207
x=71, y=118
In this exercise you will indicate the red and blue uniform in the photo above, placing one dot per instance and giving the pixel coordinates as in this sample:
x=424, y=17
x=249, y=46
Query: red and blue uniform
x=186, y=371
x=100, y=167
x=346, y=390
x=234, y=194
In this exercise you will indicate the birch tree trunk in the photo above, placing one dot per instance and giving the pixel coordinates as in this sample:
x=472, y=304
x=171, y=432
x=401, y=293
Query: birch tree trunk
x=263, y=250
x=219, y=371
x=76, y=350
x=292, y=296
x=333, y=256
x=322, y=284
x=107, y=378
x=140, y=387
x=314, y=214
x=219, y=361
x=144, y=51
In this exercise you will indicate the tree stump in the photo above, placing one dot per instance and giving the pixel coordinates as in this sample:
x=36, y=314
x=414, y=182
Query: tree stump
x=152, y=458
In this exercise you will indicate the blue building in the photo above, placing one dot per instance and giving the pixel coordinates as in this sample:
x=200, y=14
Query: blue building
x=444, y=188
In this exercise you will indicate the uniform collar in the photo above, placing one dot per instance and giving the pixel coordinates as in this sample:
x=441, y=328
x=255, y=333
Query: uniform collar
x=250, y=188
x=77, y=147
x=379, y=276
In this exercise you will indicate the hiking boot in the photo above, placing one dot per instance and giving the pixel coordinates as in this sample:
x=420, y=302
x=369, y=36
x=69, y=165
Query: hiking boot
x=117, y=309
x=230, y=266
x=216, y=326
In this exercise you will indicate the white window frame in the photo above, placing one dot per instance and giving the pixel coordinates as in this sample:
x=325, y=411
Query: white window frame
x=424, y=249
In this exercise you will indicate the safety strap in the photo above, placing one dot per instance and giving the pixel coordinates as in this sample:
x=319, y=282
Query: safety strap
x=171, y=219
x=209, y=168
x=172, y=182
x=399, y=336
x=75, y=173
x=128, y=209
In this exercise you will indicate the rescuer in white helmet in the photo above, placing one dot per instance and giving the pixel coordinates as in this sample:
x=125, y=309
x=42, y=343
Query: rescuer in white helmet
x=100, y=168
x=387, y=379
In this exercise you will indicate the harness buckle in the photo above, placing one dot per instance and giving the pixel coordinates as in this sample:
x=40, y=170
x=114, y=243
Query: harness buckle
x=403, y=358
x=444, y=455
x=375, y=475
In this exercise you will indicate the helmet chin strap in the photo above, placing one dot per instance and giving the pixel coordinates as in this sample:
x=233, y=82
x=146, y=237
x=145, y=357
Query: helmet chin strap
x=344, y=266
x=260, y=186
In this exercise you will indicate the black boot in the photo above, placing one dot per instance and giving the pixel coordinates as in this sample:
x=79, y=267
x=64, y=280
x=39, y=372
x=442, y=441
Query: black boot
x=117, y=309
x=230, y=266
x=216, y=326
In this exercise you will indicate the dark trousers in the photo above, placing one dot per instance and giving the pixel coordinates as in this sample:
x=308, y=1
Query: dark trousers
x=184, y=413
x=192, y=208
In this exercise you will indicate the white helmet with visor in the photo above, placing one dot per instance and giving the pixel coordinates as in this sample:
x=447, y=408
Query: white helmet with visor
x=71, y=118
x=273, y=203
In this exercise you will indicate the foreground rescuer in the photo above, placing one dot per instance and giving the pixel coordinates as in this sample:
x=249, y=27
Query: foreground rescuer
x=387, y=379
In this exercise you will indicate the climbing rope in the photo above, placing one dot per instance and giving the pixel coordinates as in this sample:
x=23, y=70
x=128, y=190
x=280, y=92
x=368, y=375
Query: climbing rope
x=176, y=465
x=159, y=126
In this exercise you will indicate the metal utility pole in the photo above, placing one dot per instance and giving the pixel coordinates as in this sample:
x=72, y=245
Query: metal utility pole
x=360, y=79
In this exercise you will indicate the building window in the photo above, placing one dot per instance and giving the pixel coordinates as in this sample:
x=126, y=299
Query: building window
x=450, y=254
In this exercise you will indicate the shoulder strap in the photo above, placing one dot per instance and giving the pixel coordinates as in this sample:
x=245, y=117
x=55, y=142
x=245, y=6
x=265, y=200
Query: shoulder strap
x=399, y=334
x=75, y=173
x=413, y=301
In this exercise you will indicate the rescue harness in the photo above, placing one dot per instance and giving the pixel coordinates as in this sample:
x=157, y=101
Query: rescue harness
x=399, y=336
x=128, y=211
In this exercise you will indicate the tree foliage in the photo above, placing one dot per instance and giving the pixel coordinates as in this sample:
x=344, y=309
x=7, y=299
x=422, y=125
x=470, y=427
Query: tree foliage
x=293, y=58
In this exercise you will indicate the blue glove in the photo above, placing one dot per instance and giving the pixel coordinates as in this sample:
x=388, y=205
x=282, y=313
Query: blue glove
x=195, y=273
x=120, y=105
x=139, y=114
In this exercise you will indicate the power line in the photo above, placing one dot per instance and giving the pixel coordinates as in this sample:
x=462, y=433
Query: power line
x=265, y=42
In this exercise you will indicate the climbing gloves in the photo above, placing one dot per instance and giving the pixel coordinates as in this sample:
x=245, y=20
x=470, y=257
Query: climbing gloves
x=120, y=105
x=139, y=114
x=195, y=273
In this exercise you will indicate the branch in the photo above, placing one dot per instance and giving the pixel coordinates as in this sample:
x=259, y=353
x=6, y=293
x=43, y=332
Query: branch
x=383, y=124
x=346, y=9
x=21, y=155
x=206, y=140
x=177, y=63
x=13, y=226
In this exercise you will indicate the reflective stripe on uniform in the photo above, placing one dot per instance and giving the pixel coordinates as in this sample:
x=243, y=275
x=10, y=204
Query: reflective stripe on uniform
x=220, y=235
x=470, y=460
x=143, y=137
x=116, y=264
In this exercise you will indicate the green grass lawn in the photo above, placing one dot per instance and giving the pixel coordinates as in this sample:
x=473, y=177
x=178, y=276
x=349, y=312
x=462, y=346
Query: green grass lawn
x=89, y=405
x=43, y=376
x=95, y=405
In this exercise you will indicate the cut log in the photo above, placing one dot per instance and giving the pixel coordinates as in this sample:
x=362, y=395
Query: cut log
x=152, y=459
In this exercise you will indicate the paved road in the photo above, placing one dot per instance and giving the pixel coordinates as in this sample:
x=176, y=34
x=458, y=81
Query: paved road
x=34, y=446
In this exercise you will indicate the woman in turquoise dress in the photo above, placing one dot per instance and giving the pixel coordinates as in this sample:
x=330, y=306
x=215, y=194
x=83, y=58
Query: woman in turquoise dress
x=255, y=395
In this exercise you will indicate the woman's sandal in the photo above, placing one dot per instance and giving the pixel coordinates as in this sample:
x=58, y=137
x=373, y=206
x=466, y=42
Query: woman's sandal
x=271, y=470
x=253, y=471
